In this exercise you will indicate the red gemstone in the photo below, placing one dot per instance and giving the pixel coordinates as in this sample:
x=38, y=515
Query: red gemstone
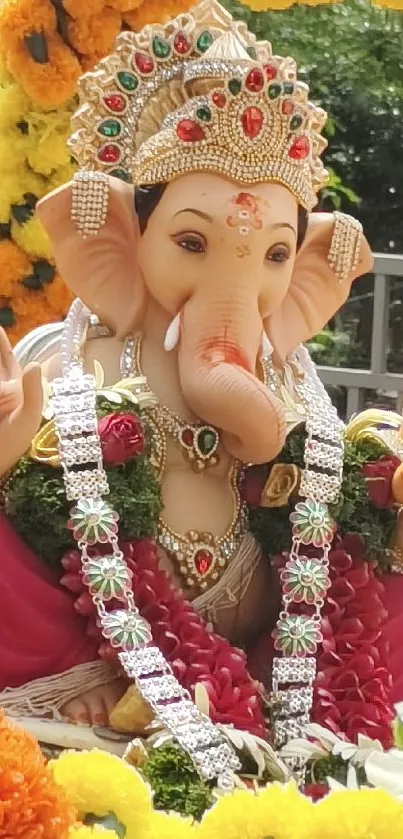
x=218, y=99
x=287, y=107
x=116, y=102
x=144, y=63
x=187, y=437
x=254, y=80
x=203, y=561
x=271, y=71
x=252, y=122
x=109, y=153
x=300, y=149
x=190, y=131
x=182, y=44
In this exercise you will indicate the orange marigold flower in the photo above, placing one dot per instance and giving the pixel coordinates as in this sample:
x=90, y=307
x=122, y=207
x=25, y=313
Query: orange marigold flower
x=152, y=10
x=74, y=8
x=125, y=5
x=19, y=18
x=32, y=805
x=51, y=84
x=59, y=297
x=95, y=34
x=15, y=265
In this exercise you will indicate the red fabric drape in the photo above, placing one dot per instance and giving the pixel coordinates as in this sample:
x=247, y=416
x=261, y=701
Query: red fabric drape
x=40, y=632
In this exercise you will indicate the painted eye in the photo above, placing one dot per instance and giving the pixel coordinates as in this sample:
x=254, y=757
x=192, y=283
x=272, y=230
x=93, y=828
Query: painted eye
x=278, y=253
x=191, y=242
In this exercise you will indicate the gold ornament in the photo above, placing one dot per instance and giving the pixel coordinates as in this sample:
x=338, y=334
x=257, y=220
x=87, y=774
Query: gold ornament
x=377, y=426
x=282, y=482
x=345, y=248
x=200, y=94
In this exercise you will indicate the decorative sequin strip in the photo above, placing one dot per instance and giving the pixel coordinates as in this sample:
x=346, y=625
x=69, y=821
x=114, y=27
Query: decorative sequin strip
x=89, y=201
x=305, y=579
x=94, y=522
x=345, y=248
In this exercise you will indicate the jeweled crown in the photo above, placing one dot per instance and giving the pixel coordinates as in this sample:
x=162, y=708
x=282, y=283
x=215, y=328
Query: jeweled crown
x=200, y=94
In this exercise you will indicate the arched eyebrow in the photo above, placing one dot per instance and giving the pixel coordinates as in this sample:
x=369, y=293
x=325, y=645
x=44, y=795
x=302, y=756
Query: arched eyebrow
x=206, y=217
x=199, y=213
x=283, y=224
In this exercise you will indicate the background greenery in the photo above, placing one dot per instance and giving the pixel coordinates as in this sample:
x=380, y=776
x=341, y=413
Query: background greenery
x=351, y=55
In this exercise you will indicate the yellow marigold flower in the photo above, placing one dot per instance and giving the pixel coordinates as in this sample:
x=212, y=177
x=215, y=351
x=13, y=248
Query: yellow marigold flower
x=14, y=105
x=99, y=783
x=49, y=152
x=15, y=184
x=358, y=814
x=172, y=826
x=50, y=84
x=95, y=34
x=32, y=238
x=279, y=811
x=13, y=152
x=15, y=265
x=19, y=18
x=61, y=176
x=152, y=10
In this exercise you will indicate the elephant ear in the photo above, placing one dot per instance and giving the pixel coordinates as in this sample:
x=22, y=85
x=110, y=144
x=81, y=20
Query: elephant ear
x=314, y=294
x=101, y=270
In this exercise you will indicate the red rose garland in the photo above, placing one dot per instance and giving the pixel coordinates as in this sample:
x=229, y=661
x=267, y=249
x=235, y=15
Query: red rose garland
x=353, y=683
x=194, y=654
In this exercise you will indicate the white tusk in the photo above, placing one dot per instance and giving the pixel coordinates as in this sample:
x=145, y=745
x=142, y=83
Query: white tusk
x=172, y=334
x=266, y=347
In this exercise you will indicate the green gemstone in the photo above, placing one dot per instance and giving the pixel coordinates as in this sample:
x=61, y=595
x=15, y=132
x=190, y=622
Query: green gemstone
x=234, y=86
x=128, y=81
x=161, y=48
x=121, y=174
x=295, y=122
x=252, y=53
x=288, y=88
x=207, y=440
x=110, y=128
x=204, y=41
x=274, y=91
x=204, y=114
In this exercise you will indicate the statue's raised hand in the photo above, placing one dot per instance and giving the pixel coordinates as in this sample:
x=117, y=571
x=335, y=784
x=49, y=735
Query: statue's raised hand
x=21, y=401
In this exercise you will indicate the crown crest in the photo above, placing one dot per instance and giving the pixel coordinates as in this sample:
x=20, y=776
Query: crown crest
x=200, y=94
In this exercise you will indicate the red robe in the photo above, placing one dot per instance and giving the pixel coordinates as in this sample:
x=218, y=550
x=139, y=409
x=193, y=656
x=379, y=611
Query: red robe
x=41, y=634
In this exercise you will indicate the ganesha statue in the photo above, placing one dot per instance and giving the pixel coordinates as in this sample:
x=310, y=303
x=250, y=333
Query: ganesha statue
x=184, y=512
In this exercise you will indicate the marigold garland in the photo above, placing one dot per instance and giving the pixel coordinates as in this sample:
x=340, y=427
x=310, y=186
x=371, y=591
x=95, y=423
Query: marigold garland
x=44, y=48
x=31, y=802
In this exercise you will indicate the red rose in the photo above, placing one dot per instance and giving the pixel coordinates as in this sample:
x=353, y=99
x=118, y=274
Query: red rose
x=122, y=437
x=378, y=476
x=253, y=485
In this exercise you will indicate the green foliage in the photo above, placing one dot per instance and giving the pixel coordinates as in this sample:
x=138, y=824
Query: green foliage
x=37, y=506
x=350, y=53
x=175, y=782
x=354, y=513
x=331, y=348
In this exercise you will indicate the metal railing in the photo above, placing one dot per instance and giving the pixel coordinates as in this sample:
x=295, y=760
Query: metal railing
x=377, y=377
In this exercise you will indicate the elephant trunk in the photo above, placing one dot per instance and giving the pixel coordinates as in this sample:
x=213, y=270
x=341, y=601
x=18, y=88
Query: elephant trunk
x=217, y=363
